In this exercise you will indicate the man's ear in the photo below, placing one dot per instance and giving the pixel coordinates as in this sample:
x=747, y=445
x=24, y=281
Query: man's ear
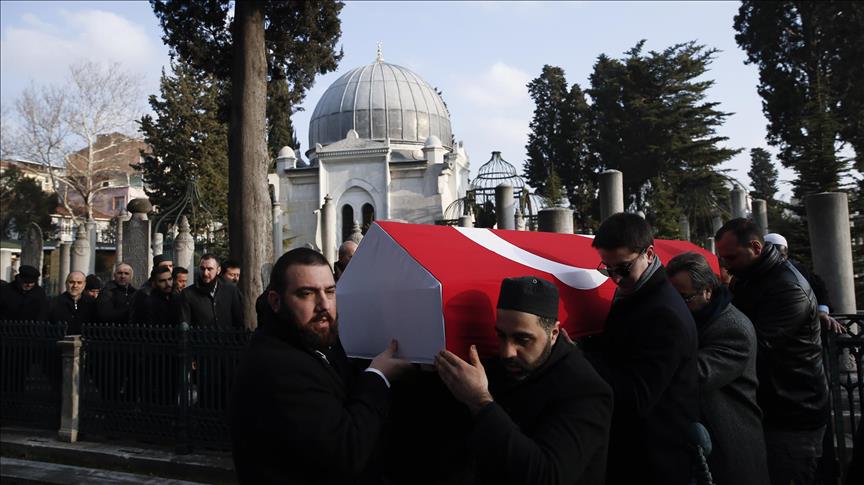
x=757, y=247
x=556, y=330
x=274, y=301
x=649, y=252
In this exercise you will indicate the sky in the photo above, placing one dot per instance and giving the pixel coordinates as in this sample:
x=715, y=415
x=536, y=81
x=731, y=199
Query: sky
x=480, y=55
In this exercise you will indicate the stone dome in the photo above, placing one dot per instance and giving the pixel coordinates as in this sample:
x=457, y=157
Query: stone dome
x=380, y=101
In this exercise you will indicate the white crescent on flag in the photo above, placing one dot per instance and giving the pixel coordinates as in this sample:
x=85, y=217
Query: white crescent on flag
x=577, y=278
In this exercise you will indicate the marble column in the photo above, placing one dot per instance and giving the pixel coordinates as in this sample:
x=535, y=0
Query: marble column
x=65, y=261
x=80, y=260
x=611, y=193
x=738, y=202
x=684, y=228
x=831, y=247
x=136, y=241
x=184, y=249
x=505, y=206
x=328, y=230
x=760, y=214
x=556, y=219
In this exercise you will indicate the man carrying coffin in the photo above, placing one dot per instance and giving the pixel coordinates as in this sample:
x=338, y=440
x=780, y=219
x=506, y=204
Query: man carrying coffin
x=544, y=414
x=299, y=413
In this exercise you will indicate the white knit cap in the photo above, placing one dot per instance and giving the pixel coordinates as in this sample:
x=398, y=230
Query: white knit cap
x=776, y=239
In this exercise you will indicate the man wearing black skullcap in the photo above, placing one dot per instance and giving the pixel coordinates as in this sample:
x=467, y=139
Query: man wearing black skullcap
x=24, y=299
x=647, y=353
x=543, y=416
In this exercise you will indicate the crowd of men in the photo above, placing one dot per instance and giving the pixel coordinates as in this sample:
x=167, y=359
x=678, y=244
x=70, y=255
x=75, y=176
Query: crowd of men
x=166, y=299
x=682, y=351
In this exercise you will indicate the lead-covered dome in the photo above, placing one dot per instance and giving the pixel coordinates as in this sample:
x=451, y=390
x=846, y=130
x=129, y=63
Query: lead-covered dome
x=380, y=101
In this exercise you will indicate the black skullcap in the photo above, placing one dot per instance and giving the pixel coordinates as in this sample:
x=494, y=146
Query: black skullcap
x=93, y=282
x=28, y=274
x=529, y=294
x=160, y=258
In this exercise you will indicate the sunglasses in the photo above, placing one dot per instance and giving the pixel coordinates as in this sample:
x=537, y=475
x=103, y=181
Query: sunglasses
x=622, y=270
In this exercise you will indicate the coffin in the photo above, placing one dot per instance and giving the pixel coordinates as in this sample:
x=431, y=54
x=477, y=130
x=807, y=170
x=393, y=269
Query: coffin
x=435, y=287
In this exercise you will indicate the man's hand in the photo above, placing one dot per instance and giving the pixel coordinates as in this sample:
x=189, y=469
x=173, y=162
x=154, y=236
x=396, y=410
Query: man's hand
x=467, y=382
x=391, y=366
x=829, y=324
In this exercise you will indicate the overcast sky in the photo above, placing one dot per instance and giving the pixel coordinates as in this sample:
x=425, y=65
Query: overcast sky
x=481, y=55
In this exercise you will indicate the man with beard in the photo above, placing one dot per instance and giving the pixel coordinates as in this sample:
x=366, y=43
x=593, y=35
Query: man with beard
x=72, y=307
x=211, y=302
x=231, y=272
x=299, y=414
x=647, y=353
x=160, y=306
x=93, y=286
x=23, y=299
x=544, y=414
x=793, y=391
x=115, y=300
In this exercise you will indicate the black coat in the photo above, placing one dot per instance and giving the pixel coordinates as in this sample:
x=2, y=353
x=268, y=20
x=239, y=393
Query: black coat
x=297, y=418
x=74, y=313
x=551, y=428
x=154, y=308
x=793, y=391
x=222, y=310
x=17, y=304
x=647, y=353
x=114, y=303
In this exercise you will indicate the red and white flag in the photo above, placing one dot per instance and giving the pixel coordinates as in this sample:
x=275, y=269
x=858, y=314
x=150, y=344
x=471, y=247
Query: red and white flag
x=432, y=287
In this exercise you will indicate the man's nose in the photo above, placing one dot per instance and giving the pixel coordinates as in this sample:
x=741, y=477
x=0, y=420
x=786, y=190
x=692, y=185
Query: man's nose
x=508, y=350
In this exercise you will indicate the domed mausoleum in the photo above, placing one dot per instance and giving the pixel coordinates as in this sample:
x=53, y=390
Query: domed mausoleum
x=381, y=146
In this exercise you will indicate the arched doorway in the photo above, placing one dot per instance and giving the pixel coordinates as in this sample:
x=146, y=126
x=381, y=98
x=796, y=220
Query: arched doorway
x=347, y=221
x=368, y=217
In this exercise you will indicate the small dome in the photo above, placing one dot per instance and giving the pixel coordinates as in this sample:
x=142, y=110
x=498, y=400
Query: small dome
x=140, y=206
x=433, y=142
x=286, y=152
x=380, y=101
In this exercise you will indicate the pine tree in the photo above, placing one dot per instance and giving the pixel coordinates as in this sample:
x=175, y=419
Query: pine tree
x=188, y=140
x=652, y=122
x=763, y=175
x=545, y=146
x=809, y=59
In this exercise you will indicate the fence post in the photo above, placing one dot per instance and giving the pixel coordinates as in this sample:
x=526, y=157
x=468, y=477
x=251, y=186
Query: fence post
x=70, y=349
x=184, y=445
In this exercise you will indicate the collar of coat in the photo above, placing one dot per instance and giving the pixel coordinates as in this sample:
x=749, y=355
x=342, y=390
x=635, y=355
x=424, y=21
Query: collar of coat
x=766, y=261
x=501, y=383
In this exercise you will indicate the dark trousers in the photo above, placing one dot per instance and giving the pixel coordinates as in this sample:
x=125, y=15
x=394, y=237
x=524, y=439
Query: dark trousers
x=793, y=456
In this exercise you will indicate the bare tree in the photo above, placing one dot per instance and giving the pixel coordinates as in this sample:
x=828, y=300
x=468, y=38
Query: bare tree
x=73, y=130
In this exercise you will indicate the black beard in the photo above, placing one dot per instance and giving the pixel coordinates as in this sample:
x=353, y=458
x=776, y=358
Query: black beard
x=527, y=369
x=306, y=335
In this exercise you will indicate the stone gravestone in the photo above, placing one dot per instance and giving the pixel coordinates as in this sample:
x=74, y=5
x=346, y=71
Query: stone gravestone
x=136, y=241
x=184, y=249
x=80, y=251
x=32, y=251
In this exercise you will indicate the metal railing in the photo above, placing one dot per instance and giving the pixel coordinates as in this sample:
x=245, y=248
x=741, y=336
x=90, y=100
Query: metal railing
x=843, y=354
x=30, y=377
x=167, y=384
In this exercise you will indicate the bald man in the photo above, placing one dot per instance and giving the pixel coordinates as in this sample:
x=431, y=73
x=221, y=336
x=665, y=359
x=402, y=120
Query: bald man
x=346, y=252
x=115, y=300
x=72, y=307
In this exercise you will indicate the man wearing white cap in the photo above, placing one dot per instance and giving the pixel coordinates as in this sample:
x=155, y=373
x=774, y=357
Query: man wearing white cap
x=816, y=282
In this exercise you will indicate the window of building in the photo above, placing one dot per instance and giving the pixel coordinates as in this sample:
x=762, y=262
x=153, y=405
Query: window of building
x=118, y=204
x=347, y=221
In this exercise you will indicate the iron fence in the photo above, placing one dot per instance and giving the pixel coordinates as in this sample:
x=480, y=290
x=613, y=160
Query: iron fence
x=30, y=373
x=166, y=384
x=843, y=354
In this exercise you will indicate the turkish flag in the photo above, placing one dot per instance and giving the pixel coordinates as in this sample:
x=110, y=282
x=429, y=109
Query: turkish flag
x=432, y=287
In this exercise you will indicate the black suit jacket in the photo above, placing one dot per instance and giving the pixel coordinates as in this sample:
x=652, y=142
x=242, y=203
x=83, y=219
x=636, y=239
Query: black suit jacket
x=16, y=304
x=73, y=313
x=298, y=418
x=224, y=309
x=647, y=353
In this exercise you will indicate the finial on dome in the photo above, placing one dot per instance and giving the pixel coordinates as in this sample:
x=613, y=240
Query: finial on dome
x=379, y=56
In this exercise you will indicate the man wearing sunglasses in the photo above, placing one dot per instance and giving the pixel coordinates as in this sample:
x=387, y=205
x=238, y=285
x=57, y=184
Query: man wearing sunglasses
x=647, y=354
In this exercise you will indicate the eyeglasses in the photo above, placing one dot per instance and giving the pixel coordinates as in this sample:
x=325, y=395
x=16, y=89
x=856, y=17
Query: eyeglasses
x=622, y=270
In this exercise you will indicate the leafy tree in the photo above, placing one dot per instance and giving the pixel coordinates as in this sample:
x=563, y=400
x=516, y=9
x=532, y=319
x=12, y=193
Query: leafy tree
x=262, y=42
x=763, y=175
x=810, y=80
x=558, y=157
x=22, y=203
x=650, y=120
x=188, y=140
x=300, y=43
